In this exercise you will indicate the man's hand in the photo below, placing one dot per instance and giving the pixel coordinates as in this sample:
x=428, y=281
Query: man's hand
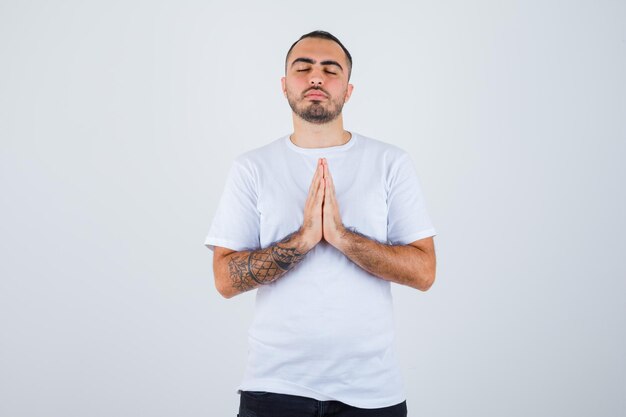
x=413, y=265
x=333, y=229
x=311, y=229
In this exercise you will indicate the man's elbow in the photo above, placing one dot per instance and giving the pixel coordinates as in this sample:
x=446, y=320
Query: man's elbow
x=426, y=281
x=225, y=290
x=425, y=269
x=221, y=283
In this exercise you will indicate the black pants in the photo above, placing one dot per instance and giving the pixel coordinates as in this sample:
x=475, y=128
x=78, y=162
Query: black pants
x=269, y=404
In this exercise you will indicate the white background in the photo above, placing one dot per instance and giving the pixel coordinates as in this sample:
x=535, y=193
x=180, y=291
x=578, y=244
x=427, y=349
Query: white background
x=120, y=119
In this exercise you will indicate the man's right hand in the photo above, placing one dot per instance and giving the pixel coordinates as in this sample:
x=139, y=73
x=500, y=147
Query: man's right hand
x=311, y=229
x=237, y=272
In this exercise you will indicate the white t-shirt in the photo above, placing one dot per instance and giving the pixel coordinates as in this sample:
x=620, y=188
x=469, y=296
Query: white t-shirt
x=325, y=329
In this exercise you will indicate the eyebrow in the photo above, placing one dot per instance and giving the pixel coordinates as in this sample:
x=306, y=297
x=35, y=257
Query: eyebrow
x=312, y=61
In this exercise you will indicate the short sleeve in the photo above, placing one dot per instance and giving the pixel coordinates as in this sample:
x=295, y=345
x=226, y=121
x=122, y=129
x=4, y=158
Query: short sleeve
x=236, y=221
x=407, y=218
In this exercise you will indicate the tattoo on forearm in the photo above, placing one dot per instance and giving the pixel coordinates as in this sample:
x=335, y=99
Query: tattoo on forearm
x=264, y=266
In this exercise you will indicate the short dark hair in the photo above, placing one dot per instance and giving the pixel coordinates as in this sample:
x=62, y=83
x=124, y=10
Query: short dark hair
x=320, y=34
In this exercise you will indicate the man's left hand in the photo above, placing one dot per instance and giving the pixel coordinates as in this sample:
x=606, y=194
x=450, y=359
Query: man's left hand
x=332, y=229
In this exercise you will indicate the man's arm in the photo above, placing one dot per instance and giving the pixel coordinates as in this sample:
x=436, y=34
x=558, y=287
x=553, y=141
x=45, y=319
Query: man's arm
x=413, y=264
x=237, y=272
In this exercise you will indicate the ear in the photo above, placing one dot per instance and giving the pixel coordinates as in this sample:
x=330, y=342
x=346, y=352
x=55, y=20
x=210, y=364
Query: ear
x=283, y=85
x=348, y=93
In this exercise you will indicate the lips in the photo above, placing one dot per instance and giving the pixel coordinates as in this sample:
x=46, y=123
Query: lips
x=315, y=94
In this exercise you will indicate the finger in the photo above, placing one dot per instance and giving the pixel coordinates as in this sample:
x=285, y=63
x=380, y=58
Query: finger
x=319, y=186
x=329, y=181
x=330, y=177
x=328, y=194
x=320, y=192
x=314, y=183
x=319, y=175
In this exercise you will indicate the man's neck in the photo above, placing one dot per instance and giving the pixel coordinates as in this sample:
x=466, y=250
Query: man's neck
x=310, y=135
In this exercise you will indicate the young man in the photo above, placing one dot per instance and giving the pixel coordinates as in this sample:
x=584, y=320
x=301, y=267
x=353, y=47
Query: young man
x=321, y=222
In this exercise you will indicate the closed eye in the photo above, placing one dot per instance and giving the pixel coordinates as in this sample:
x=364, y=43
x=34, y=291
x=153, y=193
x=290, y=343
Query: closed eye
x=328, y=72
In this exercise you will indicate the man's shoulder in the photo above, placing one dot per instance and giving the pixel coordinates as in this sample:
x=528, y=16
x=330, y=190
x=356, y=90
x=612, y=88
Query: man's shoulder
x=260, y=153
x=381, y=147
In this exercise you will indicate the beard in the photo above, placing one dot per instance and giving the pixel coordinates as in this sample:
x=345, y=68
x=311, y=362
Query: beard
x=316, y=111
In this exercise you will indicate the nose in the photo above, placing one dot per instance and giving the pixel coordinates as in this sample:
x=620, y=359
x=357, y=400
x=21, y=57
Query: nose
x=316, y=79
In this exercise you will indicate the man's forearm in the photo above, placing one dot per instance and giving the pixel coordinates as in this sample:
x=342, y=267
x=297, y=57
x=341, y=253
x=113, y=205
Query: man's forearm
x=402, y=264
x=250, y=269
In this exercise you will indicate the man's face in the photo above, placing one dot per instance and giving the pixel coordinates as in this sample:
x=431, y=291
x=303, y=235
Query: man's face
x=316, y=80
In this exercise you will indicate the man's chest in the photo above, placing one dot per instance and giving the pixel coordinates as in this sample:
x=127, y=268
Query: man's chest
x=361, y=194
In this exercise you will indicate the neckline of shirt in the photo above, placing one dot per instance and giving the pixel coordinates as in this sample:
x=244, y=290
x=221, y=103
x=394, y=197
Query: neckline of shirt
x=327, y=150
